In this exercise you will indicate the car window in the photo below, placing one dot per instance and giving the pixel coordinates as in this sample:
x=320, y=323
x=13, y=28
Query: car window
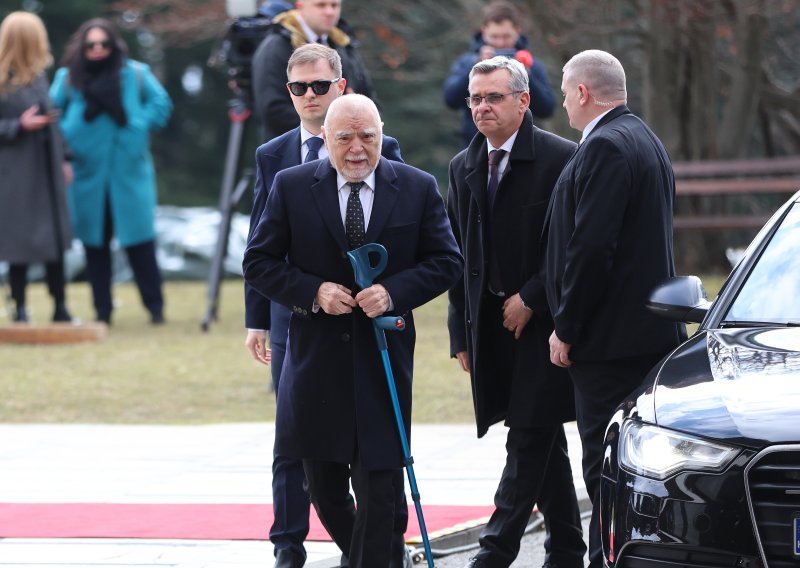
x=771, y=292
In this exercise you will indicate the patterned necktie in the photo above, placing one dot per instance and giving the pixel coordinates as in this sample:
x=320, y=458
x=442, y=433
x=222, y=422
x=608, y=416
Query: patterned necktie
x=495, y=157
x=313, y=144
x=354, y=217
x=495, y=283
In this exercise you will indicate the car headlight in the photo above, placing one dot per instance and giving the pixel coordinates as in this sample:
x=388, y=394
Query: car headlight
x=656, y=452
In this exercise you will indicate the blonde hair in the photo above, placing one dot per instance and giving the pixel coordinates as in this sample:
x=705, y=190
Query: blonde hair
x=24, y=50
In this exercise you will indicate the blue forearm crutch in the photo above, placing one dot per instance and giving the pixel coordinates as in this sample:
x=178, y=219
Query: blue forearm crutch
x=365, y=272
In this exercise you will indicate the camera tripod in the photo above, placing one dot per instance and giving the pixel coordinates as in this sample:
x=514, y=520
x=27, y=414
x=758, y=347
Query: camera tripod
x=231, y=191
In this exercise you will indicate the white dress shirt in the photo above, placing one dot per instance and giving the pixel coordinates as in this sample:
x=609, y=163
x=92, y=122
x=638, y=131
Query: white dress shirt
x=304, y=136
x=507, y=145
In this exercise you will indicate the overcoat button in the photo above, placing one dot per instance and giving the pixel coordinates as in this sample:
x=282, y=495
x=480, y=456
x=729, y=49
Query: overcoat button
x=475, y=273
x=345, y=337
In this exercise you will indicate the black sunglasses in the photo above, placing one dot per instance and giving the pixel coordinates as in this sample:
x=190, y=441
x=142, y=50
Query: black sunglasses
x=105, y=44
x=299, y=88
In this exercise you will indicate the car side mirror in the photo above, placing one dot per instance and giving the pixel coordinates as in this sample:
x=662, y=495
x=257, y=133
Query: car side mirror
x=682, y=298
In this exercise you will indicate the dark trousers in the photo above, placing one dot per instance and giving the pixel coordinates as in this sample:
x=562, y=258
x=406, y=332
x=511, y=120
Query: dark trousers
x=290, y=500
x=372, y=534
x=142, y=258
x=537, y=470
x=599, y=388
x=54, y=276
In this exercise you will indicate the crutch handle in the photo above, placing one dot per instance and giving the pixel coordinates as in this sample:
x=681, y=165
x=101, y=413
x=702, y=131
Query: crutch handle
x=361, y=259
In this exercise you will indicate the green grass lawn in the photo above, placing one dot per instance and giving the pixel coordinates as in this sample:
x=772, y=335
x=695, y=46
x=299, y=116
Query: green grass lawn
x=178, y=374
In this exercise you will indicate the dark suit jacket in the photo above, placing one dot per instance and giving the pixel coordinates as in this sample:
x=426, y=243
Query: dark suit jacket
x=538, y=393
x=609, y=243
x=333, y=390
x=276, y=155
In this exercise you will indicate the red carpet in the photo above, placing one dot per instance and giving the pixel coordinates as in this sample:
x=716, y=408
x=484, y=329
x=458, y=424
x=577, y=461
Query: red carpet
x=189, y=521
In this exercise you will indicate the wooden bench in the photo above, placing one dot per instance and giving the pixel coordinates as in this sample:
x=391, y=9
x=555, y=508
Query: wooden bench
x=732, y=194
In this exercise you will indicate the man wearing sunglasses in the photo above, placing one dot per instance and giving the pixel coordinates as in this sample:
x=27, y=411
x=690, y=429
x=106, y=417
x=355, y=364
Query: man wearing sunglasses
x=315, y=81
x=499, y=322
x=312, y=21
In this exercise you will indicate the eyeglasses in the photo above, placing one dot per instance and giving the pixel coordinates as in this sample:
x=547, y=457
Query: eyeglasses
x=299, y=88
x=475, y=101
x=105, y=44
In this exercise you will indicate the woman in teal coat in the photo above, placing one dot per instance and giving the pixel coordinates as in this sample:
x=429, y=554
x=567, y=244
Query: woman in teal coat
x=109, y=105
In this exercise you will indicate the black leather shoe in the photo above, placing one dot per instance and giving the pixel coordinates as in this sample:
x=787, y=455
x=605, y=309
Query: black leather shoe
x=476, y=562
x=61, y=314
x=21, y=315
x=285, y=558
x=157, y=318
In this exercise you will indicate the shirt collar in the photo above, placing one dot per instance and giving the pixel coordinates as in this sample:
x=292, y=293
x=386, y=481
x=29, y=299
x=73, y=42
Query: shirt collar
x=369, y=181
x=305, y=135
x=592, y=124
x=310, y=34
x=507, y=145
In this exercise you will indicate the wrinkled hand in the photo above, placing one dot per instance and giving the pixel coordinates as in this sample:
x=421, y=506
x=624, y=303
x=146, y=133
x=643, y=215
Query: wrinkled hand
x=559, y=352
x=335, y=299
x=30, y=120
x=515, y=315
x=256, y=343
x=373, y=300
x=463, y=360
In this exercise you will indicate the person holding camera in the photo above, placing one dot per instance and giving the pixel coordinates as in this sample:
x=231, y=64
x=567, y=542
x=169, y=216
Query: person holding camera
x=312, y=21
x=499, y=35
x=34, y=223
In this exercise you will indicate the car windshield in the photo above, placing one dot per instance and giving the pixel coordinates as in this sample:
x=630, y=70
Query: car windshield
x=771, y=293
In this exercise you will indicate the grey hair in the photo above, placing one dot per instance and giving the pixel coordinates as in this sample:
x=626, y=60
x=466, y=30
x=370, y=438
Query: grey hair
x=601, y=72
x=313, y=52
x=519, y=76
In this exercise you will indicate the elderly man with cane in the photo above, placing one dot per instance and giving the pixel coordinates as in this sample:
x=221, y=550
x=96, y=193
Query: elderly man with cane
x=337, y=415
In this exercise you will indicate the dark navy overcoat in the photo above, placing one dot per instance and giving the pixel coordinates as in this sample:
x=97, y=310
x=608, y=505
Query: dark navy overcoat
x=333, y=391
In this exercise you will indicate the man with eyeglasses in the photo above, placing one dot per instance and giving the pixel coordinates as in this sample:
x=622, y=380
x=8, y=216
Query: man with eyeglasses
x=312, y=21
x=315, y=81
x=334, y=411
x=499, y=324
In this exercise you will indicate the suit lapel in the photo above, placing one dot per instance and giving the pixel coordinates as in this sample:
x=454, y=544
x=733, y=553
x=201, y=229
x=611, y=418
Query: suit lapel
x=386, y=192
x=326, y=197
x=477, y=175
x=291, y=150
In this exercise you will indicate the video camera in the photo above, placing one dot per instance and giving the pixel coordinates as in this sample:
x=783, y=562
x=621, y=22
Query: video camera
x=240, y=42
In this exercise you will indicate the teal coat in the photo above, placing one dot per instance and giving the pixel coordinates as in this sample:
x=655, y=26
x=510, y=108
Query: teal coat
x=111, y=162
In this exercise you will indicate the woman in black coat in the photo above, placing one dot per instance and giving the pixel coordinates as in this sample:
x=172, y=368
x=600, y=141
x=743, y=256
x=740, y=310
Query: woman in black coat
x=34, y=222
